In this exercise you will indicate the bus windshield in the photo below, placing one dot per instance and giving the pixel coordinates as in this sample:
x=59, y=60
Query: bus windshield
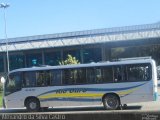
x=13, y=83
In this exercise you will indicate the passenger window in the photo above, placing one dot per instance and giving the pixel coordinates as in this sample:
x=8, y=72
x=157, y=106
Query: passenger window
x=15, y=81
x=66, y=76
x=48, y=77
x=81, y=76
x=69, y=76
x=107, y=74
x=43, y=78
x=90, y=75
x=56, y=77
x=40, y=78
x=138, y=72
x=98, y=74
x=29, y=79
x=117, y=73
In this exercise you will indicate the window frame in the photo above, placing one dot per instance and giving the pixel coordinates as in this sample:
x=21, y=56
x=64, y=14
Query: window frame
x=102, y=68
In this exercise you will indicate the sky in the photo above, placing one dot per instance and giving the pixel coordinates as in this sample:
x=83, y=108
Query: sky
x=39, y=17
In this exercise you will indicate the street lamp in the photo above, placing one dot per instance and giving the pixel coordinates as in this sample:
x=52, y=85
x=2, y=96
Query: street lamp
x=4, y=6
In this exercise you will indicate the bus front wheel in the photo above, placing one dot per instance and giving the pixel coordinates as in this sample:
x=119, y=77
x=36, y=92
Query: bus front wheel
x=33, y=105
x=111, y=102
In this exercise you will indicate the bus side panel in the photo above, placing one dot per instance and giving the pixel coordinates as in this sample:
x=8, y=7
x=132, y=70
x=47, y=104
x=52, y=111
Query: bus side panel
x=72, y=96
x=142, y=93
x=83, y=95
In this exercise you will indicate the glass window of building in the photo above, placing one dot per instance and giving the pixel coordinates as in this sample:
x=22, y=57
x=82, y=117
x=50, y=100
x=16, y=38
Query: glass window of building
x=52, y=58
x=1, y=64
x=16, y=61
x=137, y=51
x=125, y=52
x=74, y=53
x=92, y=55
x=34, y=59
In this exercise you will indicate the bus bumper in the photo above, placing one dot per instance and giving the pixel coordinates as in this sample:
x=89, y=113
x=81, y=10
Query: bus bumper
x=3, y=103
x=156, y=96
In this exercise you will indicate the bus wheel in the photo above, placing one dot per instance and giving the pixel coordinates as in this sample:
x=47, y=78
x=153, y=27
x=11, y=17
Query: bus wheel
x=125, y=106
x=33, y=105
x=111, y=102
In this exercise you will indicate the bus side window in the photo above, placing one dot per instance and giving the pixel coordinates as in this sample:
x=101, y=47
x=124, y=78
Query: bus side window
x=40, y=78
x=90, y=75
x=56, y=77
x=138, y=72
x=81, y=76
x=48, y=77
x=117, y=74
x=43, y=78
x=15, y=81
x=29, y=79
x=98, y=75
x=107, y=74
x=67, y=76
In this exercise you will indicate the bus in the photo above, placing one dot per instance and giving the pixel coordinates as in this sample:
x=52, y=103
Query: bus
x=108, y=84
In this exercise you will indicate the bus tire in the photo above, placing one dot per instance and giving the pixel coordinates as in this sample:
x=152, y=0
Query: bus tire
x=33, y=105
x=125, y=106
x=111, y=102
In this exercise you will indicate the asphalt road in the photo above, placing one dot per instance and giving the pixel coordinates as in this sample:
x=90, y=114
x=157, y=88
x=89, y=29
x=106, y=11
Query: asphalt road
x=145, y=106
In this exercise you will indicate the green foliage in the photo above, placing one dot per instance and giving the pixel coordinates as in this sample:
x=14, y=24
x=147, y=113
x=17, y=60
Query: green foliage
x=70, y=60
x=1, y=90
x=1, y=87
x=0, y=99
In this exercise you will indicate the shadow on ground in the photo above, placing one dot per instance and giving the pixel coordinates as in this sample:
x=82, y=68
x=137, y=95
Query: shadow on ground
x=68, y=109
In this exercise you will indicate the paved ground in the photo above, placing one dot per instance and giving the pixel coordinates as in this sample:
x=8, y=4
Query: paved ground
x=145, y=106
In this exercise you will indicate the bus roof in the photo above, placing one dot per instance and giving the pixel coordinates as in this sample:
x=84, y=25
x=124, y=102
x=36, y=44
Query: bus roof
x=104, y=63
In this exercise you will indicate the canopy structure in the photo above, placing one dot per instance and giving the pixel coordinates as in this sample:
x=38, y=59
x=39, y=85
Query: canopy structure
x=82, y=37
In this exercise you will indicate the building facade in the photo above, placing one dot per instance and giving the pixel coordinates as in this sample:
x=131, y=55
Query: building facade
x=87, y=46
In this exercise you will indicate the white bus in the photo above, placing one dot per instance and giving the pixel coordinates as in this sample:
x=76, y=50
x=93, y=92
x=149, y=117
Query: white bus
x=110, y=84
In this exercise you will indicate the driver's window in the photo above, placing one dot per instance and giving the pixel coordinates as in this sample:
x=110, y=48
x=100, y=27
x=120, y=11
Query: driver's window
x=14, y=81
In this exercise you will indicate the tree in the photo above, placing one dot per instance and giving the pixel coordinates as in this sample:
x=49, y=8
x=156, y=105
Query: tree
x=69, y=60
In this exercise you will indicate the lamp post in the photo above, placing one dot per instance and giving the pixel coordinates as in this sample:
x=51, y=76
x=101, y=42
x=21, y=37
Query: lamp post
x=4, y=6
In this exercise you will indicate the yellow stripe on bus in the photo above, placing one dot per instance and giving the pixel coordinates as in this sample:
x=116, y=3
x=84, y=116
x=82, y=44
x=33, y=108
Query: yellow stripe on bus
x=66, y=95
x=69, y=95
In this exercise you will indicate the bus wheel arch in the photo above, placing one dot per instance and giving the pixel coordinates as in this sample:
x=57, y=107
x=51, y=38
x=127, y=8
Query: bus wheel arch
x=32, y=104
x=111, y=101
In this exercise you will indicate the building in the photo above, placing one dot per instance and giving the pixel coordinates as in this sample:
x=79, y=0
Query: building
x=87, y=46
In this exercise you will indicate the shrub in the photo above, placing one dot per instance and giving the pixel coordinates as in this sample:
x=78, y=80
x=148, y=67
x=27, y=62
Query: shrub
x=1, y=87
x=69, y=60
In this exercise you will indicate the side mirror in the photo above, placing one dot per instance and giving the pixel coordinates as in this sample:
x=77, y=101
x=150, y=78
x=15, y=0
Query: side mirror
x=3, y=80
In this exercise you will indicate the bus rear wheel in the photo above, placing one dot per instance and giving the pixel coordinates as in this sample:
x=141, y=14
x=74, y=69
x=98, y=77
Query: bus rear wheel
x=33, y=105
x=111, y=102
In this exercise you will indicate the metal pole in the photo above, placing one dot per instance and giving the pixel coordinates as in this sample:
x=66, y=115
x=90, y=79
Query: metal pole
x=4, y=6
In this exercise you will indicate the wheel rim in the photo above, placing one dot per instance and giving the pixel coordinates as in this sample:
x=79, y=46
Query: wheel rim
x=111, y=102
x=33, y=105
